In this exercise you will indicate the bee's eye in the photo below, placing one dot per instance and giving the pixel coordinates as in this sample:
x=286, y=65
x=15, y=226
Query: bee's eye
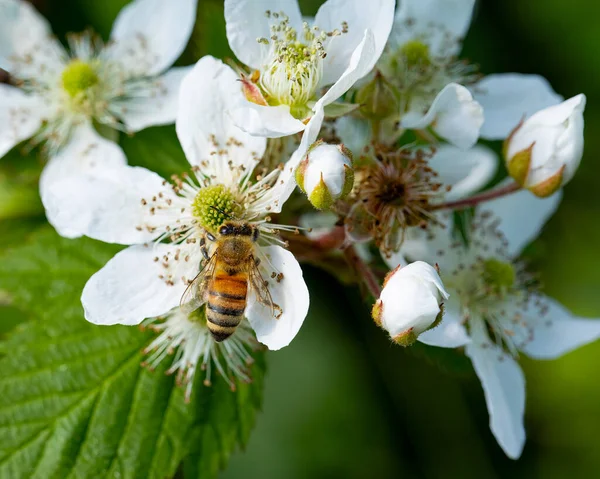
x=224, y=230
x=255, y=234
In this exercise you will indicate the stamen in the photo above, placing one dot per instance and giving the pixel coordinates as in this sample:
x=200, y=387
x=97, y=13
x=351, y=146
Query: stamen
x=188, y=340
x=295, y=67
x=391, y=195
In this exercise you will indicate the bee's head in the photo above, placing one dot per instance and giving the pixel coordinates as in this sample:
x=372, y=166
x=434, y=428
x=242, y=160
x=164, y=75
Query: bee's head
x=232, y=228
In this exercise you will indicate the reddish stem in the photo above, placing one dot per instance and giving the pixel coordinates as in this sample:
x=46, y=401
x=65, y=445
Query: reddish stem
x=475, y=200
x=364, y=272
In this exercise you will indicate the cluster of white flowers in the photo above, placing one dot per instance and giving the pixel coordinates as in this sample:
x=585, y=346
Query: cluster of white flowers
x=381, y=120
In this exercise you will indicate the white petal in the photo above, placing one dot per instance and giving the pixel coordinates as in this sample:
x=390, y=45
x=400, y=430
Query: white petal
x=450, y=333
x=150, y=35
x=107, y=205
x=266, y=121
x=360, y=64
x=440, y=23
x=128, y=288
x=453, y=115
x=504, y=387
x=557, y=331
x=510, y=97
x=522, y=217
x=22, y=31
x=435, y=246
x=376, y=17
x=204, y=127
x=246, y=22
x=20, y=116
x=86, y=153
x=466, y=171
x=290, y=293
x=159, y=105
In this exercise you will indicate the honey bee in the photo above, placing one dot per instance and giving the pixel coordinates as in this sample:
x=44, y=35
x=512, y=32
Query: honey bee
x=227, y=276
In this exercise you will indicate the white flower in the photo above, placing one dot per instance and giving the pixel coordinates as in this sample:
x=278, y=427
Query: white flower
x=495, y=309
x=57, y=95
x=420, y=60
x=410, y=303
x=543, y=153
x=325, y=174
x=166, y=223
x=188, y=340
x=293, y=60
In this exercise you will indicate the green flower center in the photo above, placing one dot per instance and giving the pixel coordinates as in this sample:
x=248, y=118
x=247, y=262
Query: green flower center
x=214, y=205
x=295, y=67
x=498, y=275
x=78, y=77
x=416, y=54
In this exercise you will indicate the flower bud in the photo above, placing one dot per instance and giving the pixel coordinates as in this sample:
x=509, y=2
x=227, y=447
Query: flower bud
x=411, y=302
x=325, y=174
x=544, y=151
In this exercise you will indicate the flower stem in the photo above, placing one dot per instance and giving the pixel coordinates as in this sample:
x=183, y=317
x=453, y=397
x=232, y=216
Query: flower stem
x=364, y=272
x=475, y=200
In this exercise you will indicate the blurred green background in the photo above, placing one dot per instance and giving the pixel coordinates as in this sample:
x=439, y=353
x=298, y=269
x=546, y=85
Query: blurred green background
x=342, y=401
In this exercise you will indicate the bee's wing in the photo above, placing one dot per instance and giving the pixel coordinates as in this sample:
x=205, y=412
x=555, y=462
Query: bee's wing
x=261, y=288
x=193, y=296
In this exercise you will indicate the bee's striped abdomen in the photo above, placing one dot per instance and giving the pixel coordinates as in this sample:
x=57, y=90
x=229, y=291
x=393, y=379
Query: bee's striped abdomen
x=226, y=302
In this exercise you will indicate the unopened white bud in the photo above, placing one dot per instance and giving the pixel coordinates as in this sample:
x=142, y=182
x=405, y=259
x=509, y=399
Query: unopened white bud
x=543, y=152
x=325, y=174
x=411, y=302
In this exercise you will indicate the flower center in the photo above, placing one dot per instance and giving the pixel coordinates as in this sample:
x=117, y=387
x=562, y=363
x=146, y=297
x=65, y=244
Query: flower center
x=499, y=276
x=394, y=194
x=295, y=66
x=214, y=205
x=78, y=77
x=419, y=76
x=494, y=289
x=415, y=54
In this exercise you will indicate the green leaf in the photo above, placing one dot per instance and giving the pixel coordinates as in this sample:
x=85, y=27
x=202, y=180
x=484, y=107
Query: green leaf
x=19, y=176
x=47, y=274
x=75, y=402
x=157, y=149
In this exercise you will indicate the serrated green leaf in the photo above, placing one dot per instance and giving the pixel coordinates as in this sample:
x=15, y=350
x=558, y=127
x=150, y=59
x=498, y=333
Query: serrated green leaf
x=157, y=149
x=74, y=401
x=213, y=444
x=47, y=274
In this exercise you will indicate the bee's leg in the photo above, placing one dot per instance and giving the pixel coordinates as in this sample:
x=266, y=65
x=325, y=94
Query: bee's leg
x=256, y=261
x=264, y=296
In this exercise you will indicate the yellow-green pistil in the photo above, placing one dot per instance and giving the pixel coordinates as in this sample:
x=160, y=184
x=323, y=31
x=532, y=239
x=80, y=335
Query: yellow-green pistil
x=498, y=275
x=78, y=77
x=416, y=54
x=214, y=205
